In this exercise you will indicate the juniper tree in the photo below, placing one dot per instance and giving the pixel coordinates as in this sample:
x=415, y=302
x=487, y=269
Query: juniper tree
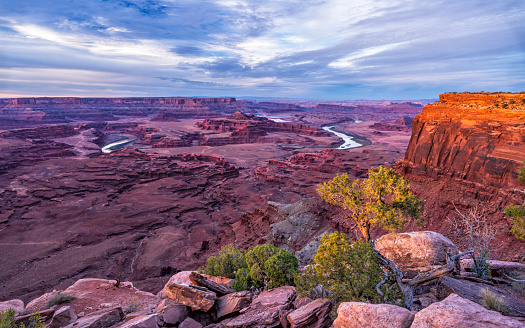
x=383, y=199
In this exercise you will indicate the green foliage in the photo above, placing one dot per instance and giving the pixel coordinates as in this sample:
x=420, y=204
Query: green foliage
x=383, y=199
x=492, y=301
x=347, y=271
x=521, y=175
x=281, y=269
x=226, y=263
x=60, y=298
x=7, y=320
x=264, y=266
x=517, y=212
x=481, y=265
x=242, y=280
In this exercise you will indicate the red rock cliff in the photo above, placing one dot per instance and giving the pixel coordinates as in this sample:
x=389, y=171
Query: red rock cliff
x=479, y=138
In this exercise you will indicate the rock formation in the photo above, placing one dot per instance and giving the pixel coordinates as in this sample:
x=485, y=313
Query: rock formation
x=472, y=137
x=466, y=151
x=23, y=111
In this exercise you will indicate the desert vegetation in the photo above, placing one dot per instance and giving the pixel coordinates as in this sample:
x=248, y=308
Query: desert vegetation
x=383, y=199
x=8, y=320
x=517, y=212
x=261, y=267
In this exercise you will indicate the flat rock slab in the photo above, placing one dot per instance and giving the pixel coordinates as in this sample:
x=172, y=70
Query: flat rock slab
x=99, y=319
x=180, y=277
x=456, y=311
x=200, y=280
x=198, y=298
x=141, y=321
x=264, y=310
x=232, y=303
x=496, y=267
x=473, y=291
x=364, y=315
x=313, y=315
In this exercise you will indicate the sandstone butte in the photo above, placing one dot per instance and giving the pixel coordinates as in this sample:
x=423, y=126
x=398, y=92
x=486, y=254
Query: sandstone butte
x=474, y=137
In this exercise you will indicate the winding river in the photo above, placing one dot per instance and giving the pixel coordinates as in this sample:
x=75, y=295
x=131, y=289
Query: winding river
x=348, y=140
x=116, y=145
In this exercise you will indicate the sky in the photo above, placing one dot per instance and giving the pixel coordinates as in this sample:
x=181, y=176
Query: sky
x=305, y=49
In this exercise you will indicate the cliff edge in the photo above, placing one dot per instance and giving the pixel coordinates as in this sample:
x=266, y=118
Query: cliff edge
x=475, y=137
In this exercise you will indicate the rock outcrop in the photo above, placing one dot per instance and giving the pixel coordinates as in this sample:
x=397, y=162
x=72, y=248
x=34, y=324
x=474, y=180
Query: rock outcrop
x=474, y=137
x=23, y=111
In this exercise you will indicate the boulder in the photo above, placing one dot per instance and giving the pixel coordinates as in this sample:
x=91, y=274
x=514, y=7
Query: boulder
x=171, y=313
x=200, y=280
x=99, y=319
x=40, y=303
x=232, y=303
x=196, y=297
x=17, y=305
x=63, y=317
x=181, y=277
x=190, y=323
x=364, y=315
x=419, y=251
x=265, y=308
x=141, y=321
x=313, y=315
x=455, y=311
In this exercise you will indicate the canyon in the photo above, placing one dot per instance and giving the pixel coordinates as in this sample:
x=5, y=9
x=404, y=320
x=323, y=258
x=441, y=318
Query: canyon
x=203, y=173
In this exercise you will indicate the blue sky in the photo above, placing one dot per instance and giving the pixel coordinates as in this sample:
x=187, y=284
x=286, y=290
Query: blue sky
x=307, y=49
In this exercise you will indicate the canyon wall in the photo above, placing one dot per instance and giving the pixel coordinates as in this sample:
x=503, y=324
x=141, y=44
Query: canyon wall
x=464, y=154
x=474, y=137
x=66, y=109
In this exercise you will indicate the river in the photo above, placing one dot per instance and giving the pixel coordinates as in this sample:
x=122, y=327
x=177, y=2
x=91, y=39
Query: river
x=115, y=145
x=348, y=140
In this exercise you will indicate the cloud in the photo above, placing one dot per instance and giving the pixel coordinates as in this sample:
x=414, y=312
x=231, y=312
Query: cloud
x=312, y=48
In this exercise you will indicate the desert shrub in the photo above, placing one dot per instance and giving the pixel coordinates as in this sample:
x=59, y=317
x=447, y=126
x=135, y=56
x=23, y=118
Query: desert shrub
x=517, y=212
x=281, y=269
x=492, y=301
x=264, y=266
x=226, y=263
x=60, y=298
x=7, y=320
x=132, y=305
x=271, y=267
x=347, y=272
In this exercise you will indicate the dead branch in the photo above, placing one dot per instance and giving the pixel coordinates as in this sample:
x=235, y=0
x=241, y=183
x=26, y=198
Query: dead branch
x=407, y=289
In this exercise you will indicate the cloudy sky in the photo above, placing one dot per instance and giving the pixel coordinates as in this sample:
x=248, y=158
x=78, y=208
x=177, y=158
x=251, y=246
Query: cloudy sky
x=309, y=49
